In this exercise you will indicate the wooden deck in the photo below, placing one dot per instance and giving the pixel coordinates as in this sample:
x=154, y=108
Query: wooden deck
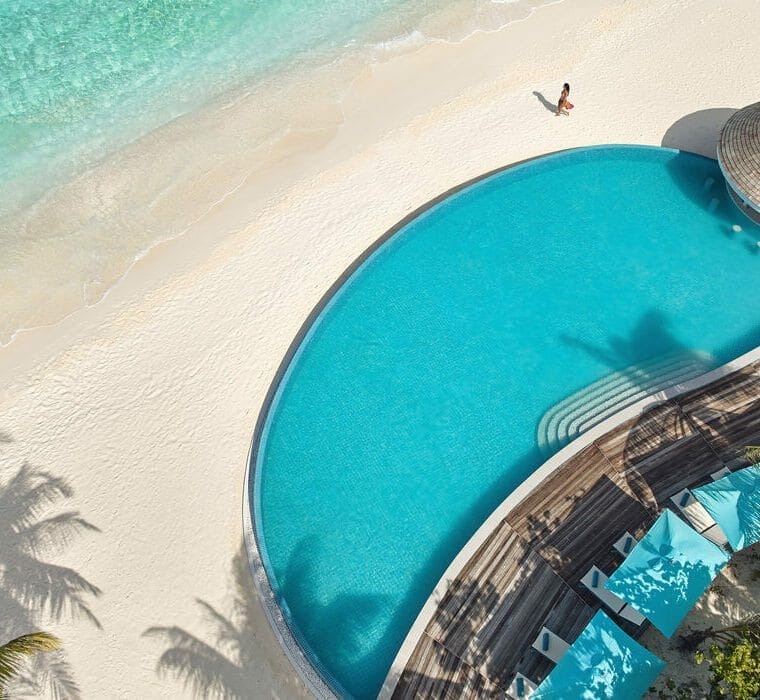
x=739, y=152
x=526, y=574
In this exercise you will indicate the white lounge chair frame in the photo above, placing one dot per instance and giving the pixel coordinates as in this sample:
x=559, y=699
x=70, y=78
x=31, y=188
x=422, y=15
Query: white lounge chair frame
x=696, y=514
x=557, y=647
x=528, y=687
x=625, y=544
x=613, y=602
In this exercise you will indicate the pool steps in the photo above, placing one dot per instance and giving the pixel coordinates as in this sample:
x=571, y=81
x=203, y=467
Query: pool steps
x=586, y=408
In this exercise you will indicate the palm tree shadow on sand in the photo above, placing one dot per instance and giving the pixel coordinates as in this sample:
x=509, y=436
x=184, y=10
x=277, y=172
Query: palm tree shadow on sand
x=233, y=664
x=31, y=589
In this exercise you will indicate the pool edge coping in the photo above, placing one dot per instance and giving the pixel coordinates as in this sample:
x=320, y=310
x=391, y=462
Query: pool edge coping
x=319, y=682
x=315, y=682
x=525, y=489
x=287, y=640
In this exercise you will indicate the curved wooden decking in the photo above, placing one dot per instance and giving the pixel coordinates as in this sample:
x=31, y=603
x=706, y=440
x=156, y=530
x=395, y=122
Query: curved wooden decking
x=527, y=572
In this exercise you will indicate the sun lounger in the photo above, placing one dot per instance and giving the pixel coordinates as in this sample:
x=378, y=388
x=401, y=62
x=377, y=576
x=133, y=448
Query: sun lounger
x=594, y=581
x=625, y=544
x=696, y=514
x=520, y=687
x=698, y=517
x=552, y=646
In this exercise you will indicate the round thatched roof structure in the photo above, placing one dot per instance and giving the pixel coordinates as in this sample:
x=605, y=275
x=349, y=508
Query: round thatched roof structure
x=739, y=158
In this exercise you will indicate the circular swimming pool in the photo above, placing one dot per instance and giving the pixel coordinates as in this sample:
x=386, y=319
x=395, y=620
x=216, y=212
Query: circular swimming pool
x=415, y=401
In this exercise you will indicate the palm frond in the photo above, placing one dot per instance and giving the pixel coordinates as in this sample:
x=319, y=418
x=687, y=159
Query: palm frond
x=25, y=496
x=54, y=533
x=227, y=635
x=45, y=587
x=197, y=664
x=16, y=651
x=45, y=675
x=59, y=677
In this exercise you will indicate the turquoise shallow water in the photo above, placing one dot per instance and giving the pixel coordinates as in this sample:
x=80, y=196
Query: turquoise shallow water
x=410, y=410
x=122, y=122
x=81, y=77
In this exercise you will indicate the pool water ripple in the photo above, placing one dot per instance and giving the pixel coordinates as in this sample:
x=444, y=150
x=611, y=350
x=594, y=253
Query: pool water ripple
x=410, y=410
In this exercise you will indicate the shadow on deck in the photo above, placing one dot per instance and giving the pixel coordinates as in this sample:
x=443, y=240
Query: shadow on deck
x=527, y=573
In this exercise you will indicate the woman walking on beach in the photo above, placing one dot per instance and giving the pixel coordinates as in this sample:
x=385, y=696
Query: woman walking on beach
x=564, y=103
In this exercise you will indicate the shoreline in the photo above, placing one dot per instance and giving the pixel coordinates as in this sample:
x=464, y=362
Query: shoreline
x=145, y=402
x=297, y=161
x=304, y=109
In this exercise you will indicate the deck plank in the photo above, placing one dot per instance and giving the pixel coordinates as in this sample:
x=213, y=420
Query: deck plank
x=727, y=414
x=526, y=573
x=434, y=672
x=585, y=492
x=659, y=454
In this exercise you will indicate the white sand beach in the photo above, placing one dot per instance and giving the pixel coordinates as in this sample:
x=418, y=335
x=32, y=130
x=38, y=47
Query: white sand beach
x=145, y=402
x=732, y=597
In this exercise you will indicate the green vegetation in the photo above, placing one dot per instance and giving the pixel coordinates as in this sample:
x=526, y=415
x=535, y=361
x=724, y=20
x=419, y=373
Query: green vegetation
x=733, y=659
x=14, y=653
x=734, y=668
x=35, y=527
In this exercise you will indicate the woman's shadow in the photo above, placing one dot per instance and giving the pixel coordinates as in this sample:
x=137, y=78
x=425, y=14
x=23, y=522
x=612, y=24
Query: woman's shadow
x=549, y=105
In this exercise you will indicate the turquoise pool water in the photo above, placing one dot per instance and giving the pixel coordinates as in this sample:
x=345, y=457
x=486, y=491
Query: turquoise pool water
x=410, y=409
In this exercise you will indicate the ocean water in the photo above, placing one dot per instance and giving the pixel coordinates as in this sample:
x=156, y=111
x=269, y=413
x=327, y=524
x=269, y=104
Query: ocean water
x=411, y=408
x=83, y=78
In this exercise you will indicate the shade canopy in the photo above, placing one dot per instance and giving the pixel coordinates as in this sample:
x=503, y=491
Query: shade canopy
x=734, y=503
x=667, y=572
x=604, y=662
x=739, y=158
